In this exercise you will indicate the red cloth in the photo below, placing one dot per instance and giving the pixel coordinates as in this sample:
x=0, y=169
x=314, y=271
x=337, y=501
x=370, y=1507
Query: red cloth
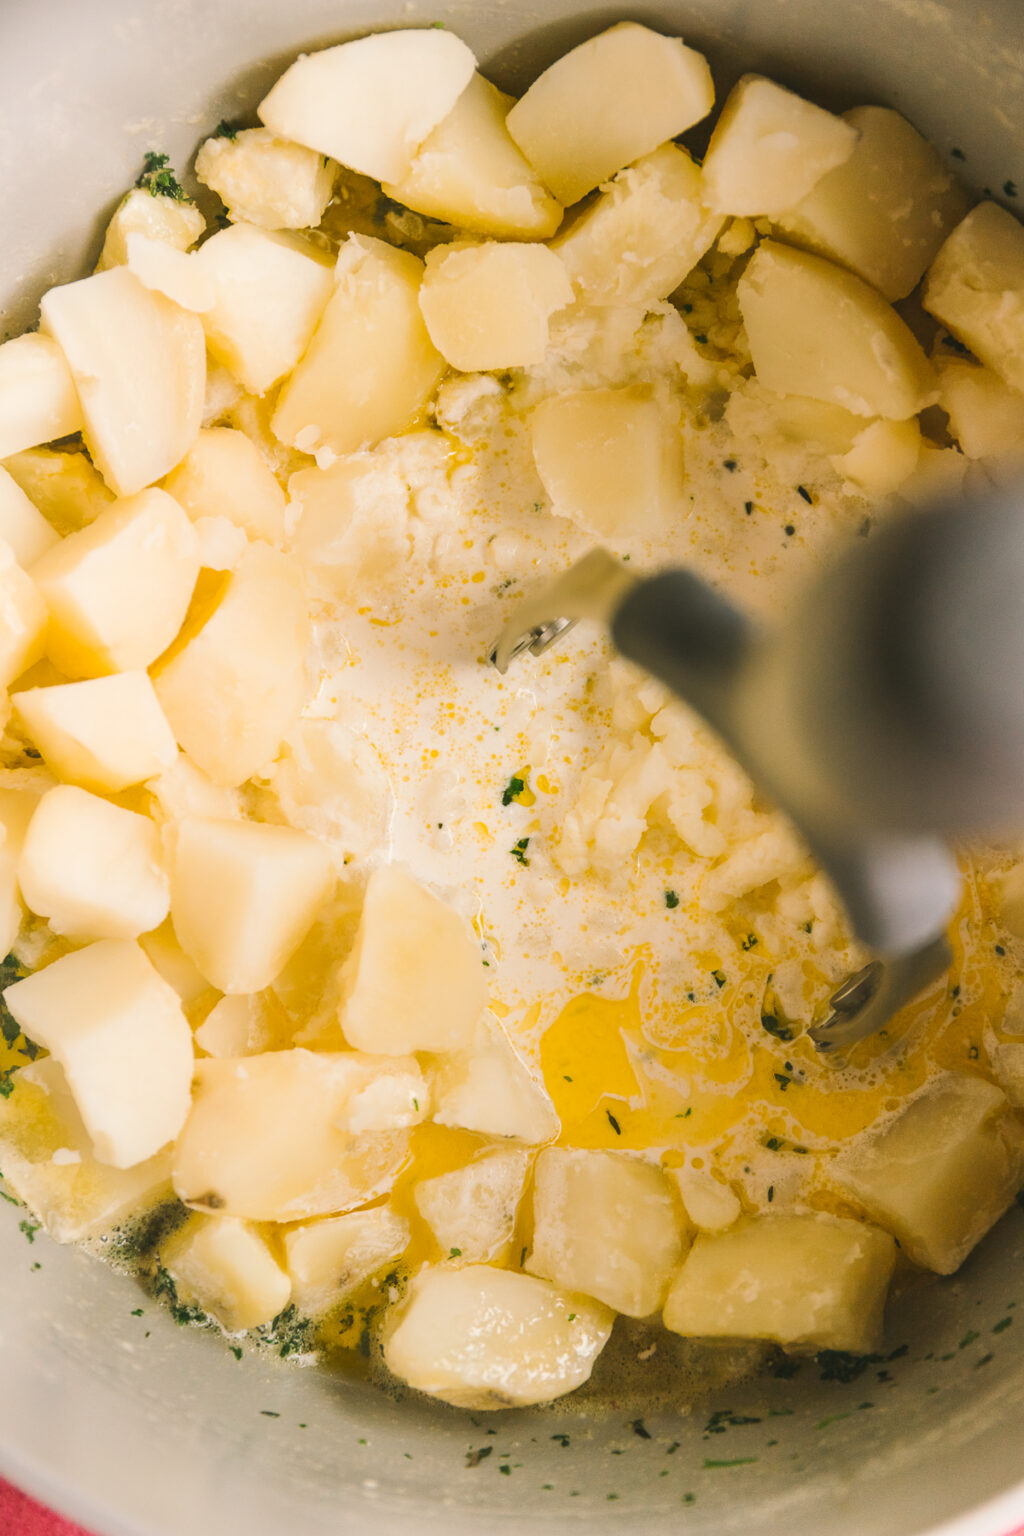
x=22, y=1516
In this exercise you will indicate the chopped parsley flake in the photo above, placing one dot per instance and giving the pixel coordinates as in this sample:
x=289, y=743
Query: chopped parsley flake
x=474, y=1458
x=236, y=1350
x=519, y=851
x=771, y=1193
x=748, y=507
x=157, y=178
x=513, y=789
x=749, y=941
x=719, y=977
x=671, y=899
x=224, y=130
x=1010, y=188
x=730, y=464
x=616, y=1127
x=1002, y=1325
x=737, y=1461
x=776, y=1027
x=455, y=1253
x=29, y=1229
x=802, y=490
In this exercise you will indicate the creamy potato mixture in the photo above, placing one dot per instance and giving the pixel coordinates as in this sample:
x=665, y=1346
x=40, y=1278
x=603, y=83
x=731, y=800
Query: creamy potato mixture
x=363, y=998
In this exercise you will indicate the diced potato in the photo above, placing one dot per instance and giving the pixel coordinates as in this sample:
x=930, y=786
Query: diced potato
x=607, y=102
x=488, y=306
x=711, y=1205
x=139, y=366
x=941, y=1173
x=609, y=459
x=637, y=240
x=94, y=870
x=472, y=1211
x=17, y=807
x=490, y=1338
x=414, y=980
x=329, y=780
x=233, y=690
x=488, y=1088
x=243, y=897
x=327, y=1260
x=245, y=1024
x=815, y=329
x=119, y=589
x=119, y=1033
x=48, y=1161
x=807, y=1281
x=605, y=1224
x=65, y=487
x=225, y=475
x=886, y=210
x=769, y=148
x=167, y=957
x=226, y=1267
x=371, y=366
x=21, y=526
x=371, y=103
x=178, y=225
x=264, y=1138
x=104, y=734
x=353, y=526
x=267, y=181
x=222, y=545
x=271, y=289
x=986, y=416
x=469, y=172
x=38, y=399
x=975, y=286
x=882, y=457
x=176, y=274
x=23, y=618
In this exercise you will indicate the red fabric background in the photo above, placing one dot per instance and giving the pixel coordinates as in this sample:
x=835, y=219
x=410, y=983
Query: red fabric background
x=22, y=1516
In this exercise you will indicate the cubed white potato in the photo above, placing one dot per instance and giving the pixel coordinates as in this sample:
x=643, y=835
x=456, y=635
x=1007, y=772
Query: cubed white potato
x=38, y=398
x=138, y=362
x=986, y=416
x=1010, y=900
x=267, y=181
x=488, y=1088
x=23, y=618
x=222, y=544
x=65, y=487
x=118, y=590
x=414, y=980
x=225, y=1266
x=22, y=526
x=608, y=1225
x=233, y=689
x=225, y=475
x=488, y=306
x=48, y=1161
x=607, y=102
x=807, y=1281
x=353, y=521
x=183, y=790
x=178, y=275
x=327, y=1260
x=94, y=870
x=769, y=148
x=370, y=103
x=882, y=456
x=710, y=1204
x=177, y=224
x=104, y=734
x=265, y=1138
x=162, y=949
x=815, y=329
x=609, y=459
x=787, y=422
x=975, y=286
x=491, y=1338
x=371, y=366
x=223, y=391
x=471, y=1211
x=469, y=172
x=243, y=897
x=329, y=780
x=638, y=239
x=245, y=1024
x=118, y=1031
x=886, y=210
x=271, y=289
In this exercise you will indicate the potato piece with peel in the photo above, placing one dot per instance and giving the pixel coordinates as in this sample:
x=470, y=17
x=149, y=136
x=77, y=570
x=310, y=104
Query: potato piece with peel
x=267, y=181
x=807, y=1281
x=488, y=1088
x=479, y=1337
x=38, y=398
x=102, y=734
x=941, y=1172
x=225, y=475
x=986, y=416
x=414, y=980
x=266, y=1137
x=975, y=286
x=64, y=486
x=488, y=306
x=177, y=224
x=118, y=1031
x=23, y=619
x=327, y=1260
x=607, y=102
x=371, y=366
x=886, y=210
x=225, y=1266
x=243, y=897
x=646, y=230
x=710, y=1205
x=471, y=1211
x=469, y=172
x=881, y=457
x=22, y=526
x=370, y=103
x=816, y=330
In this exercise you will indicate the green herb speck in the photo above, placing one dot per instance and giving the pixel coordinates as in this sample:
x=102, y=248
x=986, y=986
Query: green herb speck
x=613, y=1123
x=224, y=130
x=671, y=899
x=157, y=178
x=513, y=788
x=29, y=1229
x=519, y=851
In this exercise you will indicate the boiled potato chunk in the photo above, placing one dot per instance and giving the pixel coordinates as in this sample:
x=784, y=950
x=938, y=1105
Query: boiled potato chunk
x=175, y=274
x=986, y=416
x=371, y=366
x=881, y=457
x=975, y=286
x=103, y=734
x=469, y=172
x=471, y=1211
x=94, y=870
x=21, y=526
x=226, y=1267
x=637, y=240
x=769, y=148
x=178, y=225
x=64, y=486
x=488, y=1088
x=264, y=1139
x=488, y=306
x=815, y=329
x=168, y=958
x=607, y=102
x=267, y=181
x=23, y=618
x=609, y=459
x=139, y=365
x=941, y=1173
x=414, y=980
x=243, y=897
x=353, y=522
x=327, y=1260
x=270, y=291
x=807, y=1281
x=490, y=1338
x=244, y=1024
x=711, y=1205
x=225, y=475
x=371, y=103
x=119, y=1033
x=886, y=210
x=38, y=399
